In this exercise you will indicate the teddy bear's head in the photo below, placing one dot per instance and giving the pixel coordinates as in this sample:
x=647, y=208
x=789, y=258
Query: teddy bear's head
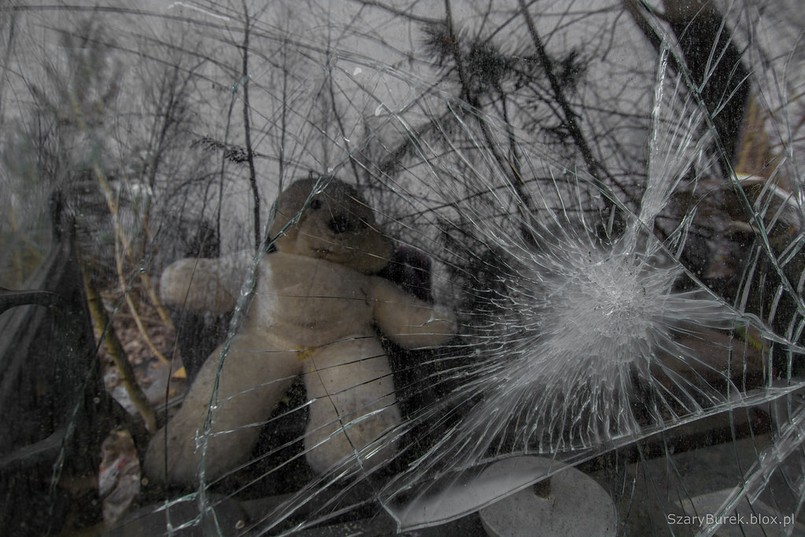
x=329, y=220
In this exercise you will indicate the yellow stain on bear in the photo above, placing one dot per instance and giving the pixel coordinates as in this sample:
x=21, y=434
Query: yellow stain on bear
x=305, y=353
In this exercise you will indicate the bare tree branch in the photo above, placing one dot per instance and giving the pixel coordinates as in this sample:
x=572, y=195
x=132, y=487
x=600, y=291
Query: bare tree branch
x=247, y=126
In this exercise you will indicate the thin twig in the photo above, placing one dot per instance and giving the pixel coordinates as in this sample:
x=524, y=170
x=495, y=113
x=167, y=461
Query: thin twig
x=103, y=326
x=120, y=239
x=247, y=126
x=342, y=128
x=283, y=116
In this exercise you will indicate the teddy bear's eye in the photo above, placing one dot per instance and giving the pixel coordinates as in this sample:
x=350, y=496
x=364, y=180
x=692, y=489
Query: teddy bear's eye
x=315, y=204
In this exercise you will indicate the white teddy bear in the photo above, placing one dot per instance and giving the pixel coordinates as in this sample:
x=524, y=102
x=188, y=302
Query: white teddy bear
x=314, y=312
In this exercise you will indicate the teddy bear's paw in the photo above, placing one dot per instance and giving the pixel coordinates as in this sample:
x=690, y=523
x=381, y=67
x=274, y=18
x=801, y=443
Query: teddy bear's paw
x=169, y=460
x=199, y=285
x=155, y=465
x=439, y=327
x=174, y=284
x=443, y=321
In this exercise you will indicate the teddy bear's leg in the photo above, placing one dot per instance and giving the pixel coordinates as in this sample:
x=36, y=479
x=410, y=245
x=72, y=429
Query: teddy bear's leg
x=354, y=405
x=255, y=375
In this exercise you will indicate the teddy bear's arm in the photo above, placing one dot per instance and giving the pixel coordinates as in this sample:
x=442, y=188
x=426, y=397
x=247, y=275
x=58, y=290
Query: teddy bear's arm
x=408, y=321
x=205, y=284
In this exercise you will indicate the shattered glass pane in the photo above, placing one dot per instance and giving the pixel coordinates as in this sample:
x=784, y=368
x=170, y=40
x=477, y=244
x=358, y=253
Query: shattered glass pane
x=366, y=268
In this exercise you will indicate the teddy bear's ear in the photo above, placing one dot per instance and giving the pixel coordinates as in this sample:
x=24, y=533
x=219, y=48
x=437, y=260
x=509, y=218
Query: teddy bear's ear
x=287, y=208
